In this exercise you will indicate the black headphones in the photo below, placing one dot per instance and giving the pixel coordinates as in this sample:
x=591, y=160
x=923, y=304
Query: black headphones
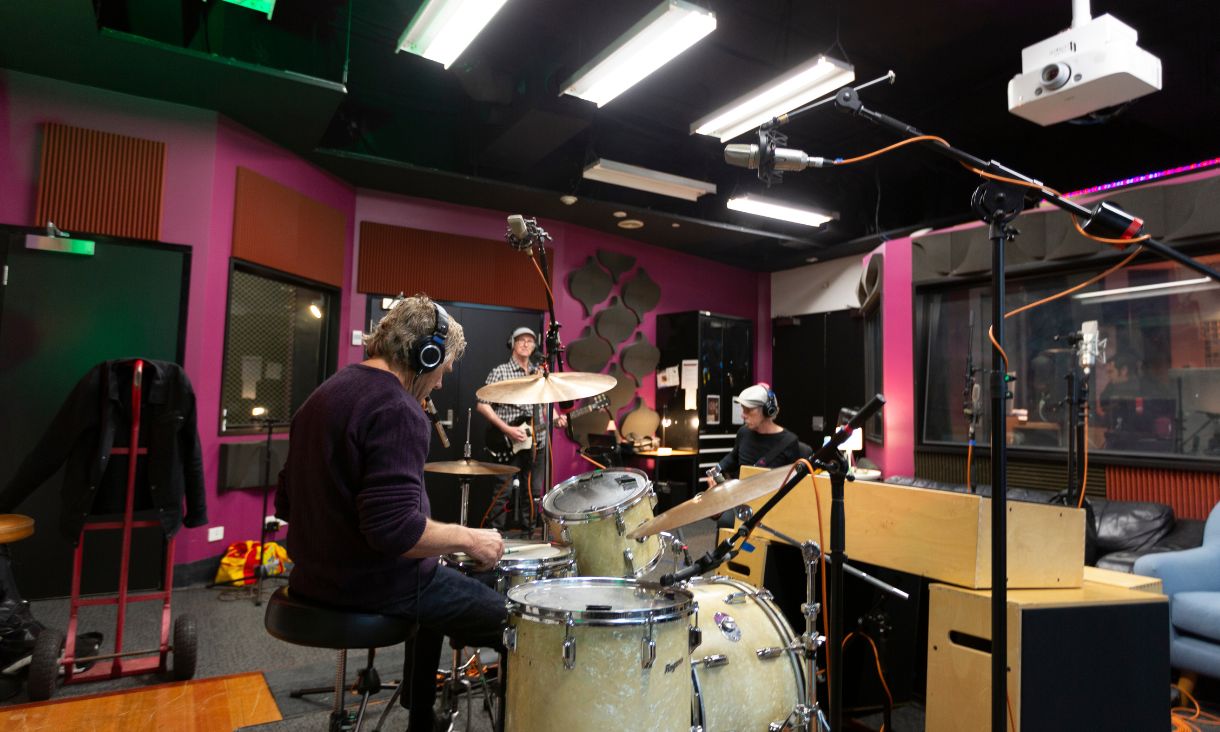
x=428, y=352
x=770, y=408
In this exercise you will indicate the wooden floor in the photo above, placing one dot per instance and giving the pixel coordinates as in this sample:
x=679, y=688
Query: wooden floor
x=207, y=705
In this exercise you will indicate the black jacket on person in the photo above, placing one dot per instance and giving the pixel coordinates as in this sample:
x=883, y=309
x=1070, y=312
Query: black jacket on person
x=95, y=418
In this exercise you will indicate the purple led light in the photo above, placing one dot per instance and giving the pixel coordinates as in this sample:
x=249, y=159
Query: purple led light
x=1145, y=178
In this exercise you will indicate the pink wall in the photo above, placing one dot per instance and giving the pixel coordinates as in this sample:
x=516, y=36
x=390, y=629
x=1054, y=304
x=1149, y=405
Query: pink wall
x=203, y=152
x=687, y=283
x=897, y=454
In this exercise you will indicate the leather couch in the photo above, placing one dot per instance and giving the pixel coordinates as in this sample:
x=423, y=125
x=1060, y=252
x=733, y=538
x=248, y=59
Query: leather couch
x=1123, y=531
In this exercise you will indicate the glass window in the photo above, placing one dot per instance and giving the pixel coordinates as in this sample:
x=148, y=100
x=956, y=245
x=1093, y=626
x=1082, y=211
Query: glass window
x=1154, y=390
x=874, y=428
x=277, y=345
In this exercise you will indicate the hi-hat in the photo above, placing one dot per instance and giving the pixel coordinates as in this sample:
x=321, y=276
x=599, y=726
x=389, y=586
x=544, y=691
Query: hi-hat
x=469, y=467
x=723, y=497
x=559, y=386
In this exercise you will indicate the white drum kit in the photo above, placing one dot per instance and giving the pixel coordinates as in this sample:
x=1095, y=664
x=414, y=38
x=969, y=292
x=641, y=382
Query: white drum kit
x=592, y=645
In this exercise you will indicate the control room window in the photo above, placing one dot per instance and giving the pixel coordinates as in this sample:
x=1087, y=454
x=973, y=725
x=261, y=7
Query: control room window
x=278, y=344
x=1155, y=388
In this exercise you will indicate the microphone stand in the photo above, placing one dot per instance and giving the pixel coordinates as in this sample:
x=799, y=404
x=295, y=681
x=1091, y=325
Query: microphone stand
x=827, y=458
x=260, y=571
x=997, y=203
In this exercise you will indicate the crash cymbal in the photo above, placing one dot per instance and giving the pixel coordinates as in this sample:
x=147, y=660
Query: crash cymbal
x=723, y=497
x=469, y=467
x=560, y=386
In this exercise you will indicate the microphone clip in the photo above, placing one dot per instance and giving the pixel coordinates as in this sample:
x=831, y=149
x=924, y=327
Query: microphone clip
x=768, y=139
x=524, y=240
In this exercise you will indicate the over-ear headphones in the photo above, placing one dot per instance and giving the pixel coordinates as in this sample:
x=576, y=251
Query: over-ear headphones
x=428, y=352
x=770, y=408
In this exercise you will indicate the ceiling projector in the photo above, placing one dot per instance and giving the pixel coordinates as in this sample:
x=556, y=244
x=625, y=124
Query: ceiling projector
x=1092, y=65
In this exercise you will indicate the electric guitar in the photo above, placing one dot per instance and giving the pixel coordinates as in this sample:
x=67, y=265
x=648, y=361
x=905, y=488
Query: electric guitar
x=503, y=450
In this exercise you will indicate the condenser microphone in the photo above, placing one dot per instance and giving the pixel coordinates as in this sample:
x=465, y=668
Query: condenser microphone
x=522, y=233
x=752, y=157
x=430, y=410
x=1090, y=344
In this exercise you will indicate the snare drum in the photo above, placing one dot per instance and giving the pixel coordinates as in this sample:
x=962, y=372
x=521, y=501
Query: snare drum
x=598, y=653
x=593, y=513
x=523, y=561
x=746, y=673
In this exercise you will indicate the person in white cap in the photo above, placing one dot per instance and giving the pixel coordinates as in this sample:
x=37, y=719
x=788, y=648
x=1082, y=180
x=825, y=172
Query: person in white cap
x=761, y=441
x=517, y=433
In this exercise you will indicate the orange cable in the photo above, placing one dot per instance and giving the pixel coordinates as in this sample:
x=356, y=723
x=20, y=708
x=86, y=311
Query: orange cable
x=545, y=284
x=888, y=148
x=969, y=456
x=877, y=659
x=1084, y=447
x=1012, y=721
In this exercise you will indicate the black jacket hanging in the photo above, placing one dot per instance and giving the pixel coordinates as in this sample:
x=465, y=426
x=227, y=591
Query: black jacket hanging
x=92, y=420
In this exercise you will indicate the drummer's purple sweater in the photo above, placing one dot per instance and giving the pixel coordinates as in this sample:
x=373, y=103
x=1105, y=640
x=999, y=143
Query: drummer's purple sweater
x=352, y=491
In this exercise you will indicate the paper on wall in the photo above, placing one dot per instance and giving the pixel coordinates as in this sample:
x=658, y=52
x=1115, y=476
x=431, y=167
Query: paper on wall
x=690, y=374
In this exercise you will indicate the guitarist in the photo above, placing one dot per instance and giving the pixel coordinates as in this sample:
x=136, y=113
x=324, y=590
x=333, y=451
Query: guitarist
x=515, y=424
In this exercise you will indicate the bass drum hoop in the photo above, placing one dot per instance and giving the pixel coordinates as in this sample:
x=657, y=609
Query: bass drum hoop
x=682, y=606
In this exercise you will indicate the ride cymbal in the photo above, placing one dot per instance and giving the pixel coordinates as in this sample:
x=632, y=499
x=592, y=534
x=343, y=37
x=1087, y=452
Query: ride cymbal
x=469, y=467
x=724, y=497
x=561, y=386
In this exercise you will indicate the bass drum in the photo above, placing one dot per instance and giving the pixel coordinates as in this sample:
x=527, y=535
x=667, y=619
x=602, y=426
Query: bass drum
x=746, y=672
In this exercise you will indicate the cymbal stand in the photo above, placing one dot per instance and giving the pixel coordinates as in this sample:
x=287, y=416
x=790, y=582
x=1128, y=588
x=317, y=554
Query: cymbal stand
x=465, y=480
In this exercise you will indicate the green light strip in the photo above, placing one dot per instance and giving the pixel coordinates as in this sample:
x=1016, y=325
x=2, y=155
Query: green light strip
x=83, y=247
x=259, y=6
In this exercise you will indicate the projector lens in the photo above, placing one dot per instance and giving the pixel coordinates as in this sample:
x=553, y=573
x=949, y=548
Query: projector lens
x=1055, y=75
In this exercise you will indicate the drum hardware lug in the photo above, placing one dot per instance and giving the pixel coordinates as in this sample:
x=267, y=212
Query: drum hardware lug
x=713, y=661
x=764, y=595
x=774, y=651
x=735, y=598
x=510, y=638
x=619, y=523
x=564, y=535
x=629, y=558
x=695, y=637
x=569, y=645
x=811, y=610
x=648, y=650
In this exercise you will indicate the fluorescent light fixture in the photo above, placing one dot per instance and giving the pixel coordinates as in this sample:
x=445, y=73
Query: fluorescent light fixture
x=671, y=28
x=644, y=179
x=1159, y=289
x=778, y=210
x=315, y=311
x=815, y=78
x=258, y=6
x=442, y=29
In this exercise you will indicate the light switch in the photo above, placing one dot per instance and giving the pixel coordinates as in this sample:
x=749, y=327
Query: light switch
x=357, y=338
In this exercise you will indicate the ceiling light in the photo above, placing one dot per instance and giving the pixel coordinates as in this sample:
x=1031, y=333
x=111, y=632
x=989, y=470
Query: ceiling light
x=779, y=210
x=644, y=179
x=814, y=78
x=568, y=200
x=671, y=28
x=258, y=6
x=442, y=29
x=315, y=311
x=619, y=214
x=631, y=224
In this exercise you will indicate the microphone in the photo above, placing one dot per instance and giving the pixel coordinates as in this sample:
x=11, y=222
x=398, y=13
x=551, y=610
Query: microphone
x=783, y=158
x=430, y=410
x=522, y=233
x=1089, y=344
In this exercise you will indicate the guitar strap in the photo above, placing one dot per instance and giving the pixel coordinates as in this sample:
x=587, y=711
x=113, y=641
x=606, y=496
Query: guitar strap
x=766, y=460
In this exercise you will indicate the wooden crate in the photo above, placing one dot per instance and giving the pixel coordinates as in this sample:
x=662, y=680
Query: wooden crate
x=749, y=565
x=1094, y=657
x=938, y=534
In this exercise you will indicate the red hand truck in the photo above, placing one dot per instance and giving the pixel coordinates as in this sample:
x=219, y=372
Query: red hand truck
x=53, y=653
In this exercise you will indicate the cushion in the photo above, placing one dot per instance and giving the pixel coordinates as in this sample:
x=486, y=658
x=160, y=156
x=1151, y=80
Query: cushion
x=1130, y=525
x=1197, y=613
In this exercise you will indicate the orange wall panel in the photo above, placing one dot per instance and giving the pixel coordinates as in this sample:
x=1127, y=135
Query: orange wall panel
x=280, y=228
x=1191, y=494
x=397, y=259
x=100, y=183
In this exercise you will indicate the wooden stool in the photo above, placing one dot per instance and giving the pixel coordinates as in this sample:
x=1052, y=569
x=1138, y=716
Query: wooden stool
x=14, y=527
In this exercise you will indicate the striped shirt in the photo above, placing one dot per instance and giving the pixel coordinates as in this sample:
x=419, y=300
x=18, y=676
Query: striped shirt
x=510, y=412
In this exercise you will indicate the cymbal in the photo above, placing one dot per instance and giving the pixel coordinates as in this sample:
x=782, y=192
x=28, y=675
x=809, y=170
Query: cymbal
x=559, y=386
x=724, y=497
x=469, y=467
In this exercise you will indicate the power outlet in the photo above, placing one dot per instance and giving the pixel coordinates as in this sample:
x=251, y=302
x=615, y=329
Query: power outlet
x=216, y=533
x=357, y=338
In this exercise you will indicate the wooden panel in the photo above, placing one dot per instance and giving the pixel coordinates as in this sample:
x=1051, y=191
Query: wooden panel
x=959, y=675
x=100, y=183
x=938, y=534
x=224, y=702
x=1100, y=576
x=747, y=566
x=1192, y=495
x=280, y=228
x=397, y=259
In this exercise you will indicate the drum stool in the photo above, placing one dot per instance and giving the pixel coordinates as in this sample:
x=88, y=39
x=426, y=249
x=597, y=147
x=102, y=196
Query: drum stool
x=307, y=623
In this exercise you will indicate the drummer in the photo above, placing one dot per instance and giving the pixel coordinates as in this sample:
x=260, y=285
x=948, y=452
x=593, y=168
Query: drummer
x=352, y=491
x=760, y=441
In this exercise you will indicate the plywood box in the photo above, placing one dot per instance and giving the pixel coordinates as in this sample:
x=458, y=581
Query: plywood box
x=1095, y=657
x=937, y=534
